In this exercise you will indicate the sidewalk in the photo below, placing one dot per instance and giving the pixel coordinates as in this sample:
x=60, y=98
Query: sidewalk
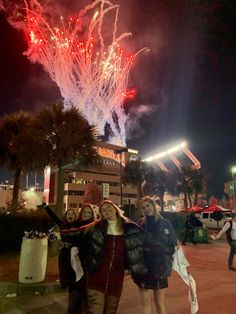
x=216, y=287
x=9, y=268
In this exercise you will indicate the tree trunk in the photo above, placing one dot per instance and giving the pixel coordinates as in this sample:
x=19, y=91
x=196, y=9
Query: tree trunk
x=190, y=201
x=139, y=189
x=185, y=200
x=60, y=193
x=195, y=198
x=16, y=189
x=162, y=202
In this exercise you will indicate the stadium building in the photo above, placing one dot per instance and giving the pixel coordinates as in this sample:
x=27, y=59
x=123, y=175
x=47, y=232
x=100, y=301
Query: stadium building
x=106, y=174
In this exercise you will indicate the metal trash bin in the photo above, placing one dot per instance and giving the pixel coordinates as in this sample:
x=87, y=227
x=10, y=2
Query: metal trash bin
x=33, y=260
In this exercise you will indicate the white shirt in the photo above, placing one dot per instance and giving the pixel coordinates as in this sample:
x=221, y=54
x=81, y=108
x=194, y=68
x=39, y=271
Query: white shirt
x=225, y=228
x=114, y=227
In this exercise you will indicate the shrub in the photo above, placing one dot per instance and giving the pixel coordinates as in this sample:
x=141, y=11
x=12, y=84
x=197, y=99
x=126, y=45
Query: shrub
x=12, y=227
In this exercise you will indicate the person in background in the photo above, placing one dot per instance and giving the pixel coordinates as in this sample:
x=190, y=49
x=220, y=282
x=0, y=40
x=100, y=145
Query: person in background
x=71, y=260
x=158, y=251
x=86, y=213
x=113, y=244
x=191, y=222
x=230, y=229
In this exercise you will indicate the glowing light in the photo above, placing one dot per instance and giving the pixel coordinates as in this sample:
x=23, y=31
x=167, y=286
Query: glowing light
x=149, y=159
x=91, y=73
x=133, y=151
x=160, y=155
x=233, y=170
x=169, y=151
x=173, y=149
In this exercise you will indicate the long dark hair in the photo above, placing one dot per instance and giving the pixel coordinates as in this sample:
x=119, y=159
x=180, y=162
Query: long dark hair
x=81, y=211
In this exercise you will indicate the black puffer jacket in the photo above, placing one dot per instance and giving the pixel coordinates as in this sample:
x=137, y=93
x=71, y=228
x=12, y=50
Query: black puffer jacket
x=94, y=236
x=66, y=273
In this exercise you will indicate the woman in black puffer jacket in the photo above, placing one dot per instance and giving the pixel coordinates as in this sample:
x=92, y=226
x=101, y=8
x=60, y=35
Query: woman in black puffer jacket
x=159, y=248
x=114, y=243
x=71, y=259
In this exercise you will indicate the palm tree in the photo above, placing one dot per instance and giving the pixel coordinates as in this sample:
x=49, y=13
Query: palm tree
x=16, y=149
x=134, y=174
x=66, y=140
x=198, y=184
x=157, y=183
x=190, y=181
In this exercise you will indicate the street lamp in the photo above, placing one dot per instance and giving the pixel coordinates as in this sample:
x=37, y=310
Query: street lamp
x=119, y=152
x=233, y=172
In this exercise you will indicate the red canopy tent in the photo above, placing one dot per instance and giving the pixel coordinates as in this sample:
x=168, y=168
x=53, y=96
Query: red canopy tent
x=212, y=208
x=195, y=209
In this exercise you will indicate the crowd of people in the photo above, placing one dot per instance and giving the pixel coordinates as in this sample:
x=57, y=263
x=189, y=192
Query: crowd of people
x=96, y=251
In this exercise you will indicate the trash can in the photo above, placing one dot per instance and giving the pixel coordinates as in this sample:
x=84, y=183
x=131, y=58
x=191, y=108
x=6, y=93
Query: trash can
x=200, y=235
x=181, y=228
x=33, y=260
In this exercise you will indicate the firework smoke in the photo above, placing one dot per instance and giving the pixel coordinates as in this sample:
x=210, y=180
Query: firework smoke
x=83, y=58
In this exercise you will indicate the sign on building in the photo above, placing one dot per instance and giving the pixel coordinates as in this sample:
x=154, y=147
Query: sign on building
x=105, y=190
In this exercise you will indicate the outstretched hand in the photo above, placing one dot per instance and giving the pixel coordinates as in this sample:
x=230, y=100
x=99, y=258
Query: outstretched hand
x=42, y=204
x=213, y=236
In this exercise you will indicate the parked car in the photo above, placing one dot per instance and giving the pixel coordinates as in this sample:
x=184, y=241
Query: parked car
x=207, y=218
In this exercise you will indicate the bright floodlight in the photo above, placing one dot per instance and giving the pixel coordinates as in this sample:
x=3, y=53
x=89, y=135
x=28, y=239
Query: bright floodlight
x=170, y=154
x=170, y=150
x=233, y=169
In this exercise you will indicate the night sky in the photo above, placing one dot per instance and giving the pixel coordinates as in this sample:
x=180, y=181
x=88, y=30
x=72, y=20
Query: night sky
x=185, y=84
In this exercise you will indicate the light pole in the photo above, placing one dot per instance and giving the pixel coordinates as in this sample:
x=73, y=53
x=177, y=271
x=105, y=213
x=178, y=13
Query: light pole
x=119, y=152
x=233, y=172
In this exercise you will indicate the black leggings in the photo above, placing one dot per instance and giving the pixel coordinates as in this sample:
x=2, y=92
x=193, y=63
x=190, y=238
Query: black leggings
x=77, y=301
x=232, y=252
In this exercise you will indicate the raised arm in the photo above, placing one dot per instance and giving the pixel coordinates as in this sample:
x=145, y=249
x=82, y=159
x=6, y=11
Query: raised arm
x=76, y=236
x=52, y=215
x=223, y=230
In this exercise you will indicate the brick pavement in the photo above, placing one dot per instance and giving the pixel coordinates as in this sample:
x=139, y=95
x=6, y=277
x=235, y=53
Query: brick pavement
x=216, y=287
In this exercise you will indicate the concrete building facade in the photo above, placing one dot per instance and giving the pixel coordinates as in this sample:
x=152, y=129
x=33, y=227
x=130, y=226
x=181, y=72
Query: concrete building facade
x=106, y=174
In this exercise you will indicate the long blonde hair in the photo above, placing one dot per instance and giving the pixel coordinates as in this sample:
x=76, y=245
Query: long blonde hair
x=151, y=201
x=119, y=212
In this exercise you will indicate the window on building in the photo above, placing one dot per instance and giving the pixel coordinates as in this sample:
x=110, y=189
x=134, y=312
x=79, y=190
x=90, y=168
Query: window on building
x=73, y=192
x=72, y=205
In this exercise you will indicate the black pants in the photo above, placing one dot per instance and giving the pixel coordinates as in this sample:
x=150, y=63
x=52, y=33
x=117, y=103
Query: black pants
x=232, y=252
x=189, y=234
x=77, y=301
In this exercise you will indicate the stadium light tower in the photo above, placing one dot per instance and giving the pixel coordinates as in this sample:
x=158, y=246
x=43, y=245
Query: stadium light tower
x=170, y=153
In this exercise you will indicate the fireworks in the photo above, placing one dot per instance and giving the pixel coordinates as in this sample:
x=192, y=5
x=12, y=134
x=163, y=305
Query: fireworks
x=91, y=72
